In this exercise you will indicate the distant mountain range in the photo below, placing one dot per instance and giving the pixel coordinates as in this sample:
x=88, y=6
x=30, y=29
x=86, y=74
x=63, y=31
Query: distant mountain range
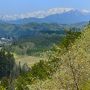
x=55, y=15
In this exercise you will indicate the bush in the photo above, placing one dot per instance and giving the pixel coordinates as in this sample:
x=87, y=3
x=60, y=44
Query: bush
x=41, y=70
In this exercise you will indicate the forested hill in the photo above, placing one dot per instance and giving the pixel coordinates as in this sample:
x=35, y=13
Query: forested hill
x=73, y=72
x=67, y=67
x=28, y=29
x=71, y=66
x=16, y=30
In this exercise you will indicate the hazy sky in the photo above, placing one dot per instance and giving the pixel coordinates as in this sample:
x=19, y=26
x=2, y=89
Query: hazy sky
x=23, y=6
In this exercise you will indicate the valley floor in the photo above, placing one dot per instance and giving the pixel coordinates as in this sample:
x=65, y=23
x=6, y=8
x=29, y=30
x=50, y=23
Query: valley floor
x=30, y=60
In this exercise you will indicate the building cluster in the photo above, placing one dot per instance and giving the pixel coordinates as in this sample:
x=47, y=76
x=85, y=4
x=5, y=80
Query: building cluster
x=5, y=41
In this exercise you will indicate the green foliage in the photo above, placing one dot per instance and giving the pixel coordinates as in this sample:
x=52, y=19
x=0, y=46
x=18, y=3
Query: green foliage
x=86, y=86
x=2, y=88
x=41, y=70
x=70, y=38
x=7, y=63
x=34, y=45
x=21, y=84
x=45, y=69
x=4, y=82
x=33, y=38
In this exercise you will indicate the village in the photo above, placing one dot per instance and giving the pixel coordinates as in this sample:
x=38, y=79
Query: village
x=5, y=41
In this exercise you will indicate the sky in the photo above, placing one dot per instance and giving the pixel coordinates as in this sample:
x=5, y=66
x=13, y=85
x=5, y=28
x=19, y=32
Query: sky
x=25, y=6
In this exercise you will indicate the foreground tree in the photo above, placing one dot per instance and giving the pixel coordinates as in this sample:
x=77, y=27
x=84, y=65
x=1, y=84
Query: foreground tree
x=7, y=63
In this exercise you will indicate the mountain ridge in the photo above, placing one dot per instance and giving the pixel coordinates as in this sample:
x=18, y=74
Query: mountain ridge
x=41, y=14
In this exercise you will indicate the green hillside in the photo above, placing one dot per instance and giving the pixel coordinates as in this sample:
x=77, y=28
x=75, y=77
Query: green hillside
x=34, y=38
x=65, y=67
x=69, y=67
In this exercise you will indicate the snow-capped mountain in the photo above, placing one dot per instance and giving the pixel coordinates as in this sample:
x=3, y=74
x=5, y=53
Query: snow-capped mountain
x=54, y=15
x=36, y=14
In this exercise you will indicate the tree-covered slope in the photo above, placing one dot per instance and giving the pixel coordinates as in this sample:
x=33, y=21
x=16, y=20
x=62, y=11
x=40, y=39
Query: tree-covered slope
x=34, y=38
x=73, y=71
x=67, y=66
x=30, y=29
